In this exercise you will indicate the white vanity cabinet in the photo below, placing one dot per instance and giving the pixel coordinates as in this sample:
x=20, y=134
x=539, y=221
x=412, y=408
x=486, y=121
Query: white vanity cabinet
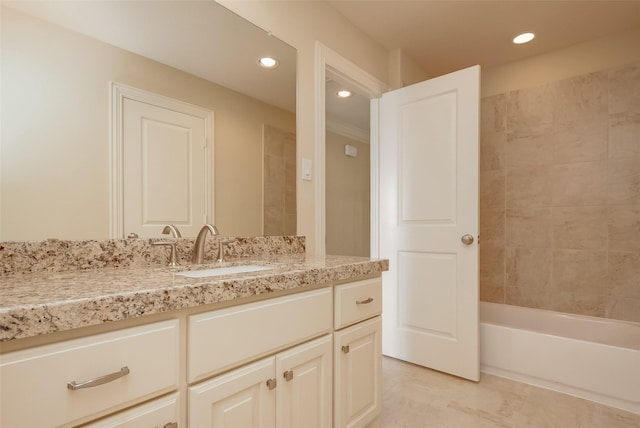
x=64, y=383
x=308, y=359
x=291, y=386
x=289, y=390
x=357, y=353
x=160, y=413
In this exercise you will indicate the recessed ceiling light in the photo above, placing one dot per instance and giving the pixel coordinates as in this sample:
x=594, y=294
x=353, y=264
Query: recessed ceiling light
x=343, y=93
x=268, y=62
x=523, y=38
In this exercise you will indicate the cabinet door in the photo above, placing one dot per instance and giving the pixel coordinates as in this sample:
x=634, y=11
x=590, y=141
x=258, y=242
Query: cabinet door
x=240, y=398
x=358, y=371
x=303, y=397
x=159, y=413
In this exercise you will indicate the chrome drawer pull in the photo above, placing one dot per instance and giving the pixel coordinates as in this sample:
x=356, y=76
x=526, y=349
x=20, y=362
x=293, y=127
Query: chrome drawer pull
x=365, y=301
x=98, y=380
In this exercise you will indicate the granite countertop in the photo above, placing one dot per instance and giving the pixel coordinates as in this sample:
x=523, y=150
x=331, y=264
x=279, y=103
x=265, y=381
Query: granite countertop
x=41, y=303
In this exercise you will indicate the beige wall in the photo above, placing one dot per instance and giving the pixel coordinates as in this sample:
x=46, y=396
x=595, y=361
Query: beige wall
x=403, y=70
x=560, y=195
x=348, y=197
x=301, y=24
x=55, y=136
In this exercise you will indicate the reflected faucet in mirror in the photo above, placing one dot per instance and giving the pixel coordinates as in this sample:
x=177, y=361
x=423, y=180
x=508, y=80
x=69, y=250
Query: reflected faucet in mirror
x=197, y=256
x=170, y=228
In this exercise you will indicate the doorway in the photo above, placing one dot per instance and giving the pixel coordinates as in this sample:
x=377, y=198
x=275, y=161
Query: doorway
x=348, y=167
x=336, y=168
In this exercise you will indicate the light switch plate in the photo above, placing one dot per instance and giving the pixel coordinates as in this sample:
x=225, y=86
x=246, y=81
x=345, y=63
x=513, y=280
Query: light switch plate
x=306, y=169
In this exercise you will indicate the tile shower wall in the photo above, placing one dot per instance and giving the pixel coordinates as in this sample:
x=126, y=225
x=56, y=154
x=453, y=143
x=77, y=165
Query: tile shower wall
x=279, y=213
x=560, y=195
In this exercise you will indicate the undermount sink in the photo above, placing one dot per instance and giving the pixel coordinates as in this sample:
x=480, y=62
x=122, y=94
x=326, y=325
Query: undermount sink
x=226, y=270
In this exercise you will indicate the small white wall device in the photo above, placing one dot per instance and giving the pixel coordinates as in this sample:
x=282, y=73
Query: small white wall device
x=351, y=151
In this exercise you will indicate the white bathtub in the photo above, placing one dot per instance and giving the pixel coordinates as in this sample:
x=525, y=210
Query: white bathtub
x=593, y=358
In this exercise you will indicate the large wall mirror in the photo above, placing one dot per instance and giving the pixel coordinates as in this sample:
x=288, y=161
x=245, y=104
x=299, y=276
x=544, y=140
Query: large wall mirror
x=58, y=59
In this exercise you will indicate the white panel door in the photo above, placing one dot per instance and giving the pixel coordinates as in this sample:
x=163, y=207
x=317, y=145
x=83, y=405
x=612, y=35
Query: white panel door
x=240, y=398
x=165, y=169
x=305, y=388
x=428, y=201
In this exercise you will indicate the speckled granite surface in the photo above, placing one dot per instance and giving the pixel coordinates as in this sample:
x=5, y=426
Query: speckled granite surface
x=56, y=255
x=46, y=302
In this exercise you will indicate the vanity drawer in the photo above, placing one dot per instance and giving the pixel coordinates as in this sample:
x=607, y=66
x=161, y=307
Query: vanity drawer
x=222, y=339
x=357, y=301
x=36, y=391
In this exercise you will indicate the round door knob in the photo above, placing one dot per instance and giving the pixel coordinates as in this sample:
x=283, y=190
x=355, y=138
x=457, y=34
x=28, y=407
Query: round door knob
x=467, y=239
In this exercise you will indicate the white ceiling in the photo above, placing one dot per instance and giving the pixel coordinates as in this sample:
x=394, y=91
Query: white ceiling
x=444, y=36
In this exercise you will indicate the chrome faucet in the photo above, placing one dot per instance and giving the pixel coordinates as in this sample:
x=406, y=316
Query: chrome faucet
x=175, y=233
x=197, y=256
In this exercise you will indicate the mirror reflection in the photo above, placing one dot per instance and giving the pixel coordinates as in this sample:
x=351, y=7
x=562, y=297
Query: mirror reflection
x=58, y=59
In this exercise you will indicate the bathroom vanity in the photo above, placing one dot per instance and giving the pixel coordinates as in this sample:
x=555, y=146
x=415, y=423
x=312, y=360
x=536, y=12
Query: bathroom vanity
x=296, y=345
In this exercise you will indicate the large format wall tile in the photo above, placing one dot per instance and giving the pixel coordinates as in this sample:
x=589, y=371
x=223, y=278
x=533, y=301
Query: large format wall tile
x=530, y=227
x=560, y=195
x=579, y=184
x=579, y=271
x=492, y=226
x=624, y=274
x=492, y=148
x=624, y=228
x=528, y=268
x=624, y=89
x=580, y=141
x=492, y=189
x=492, y=274
x=493, y=114
x=580, y=228
x=528, y=187
x=624, y=136
x=529, y=147
x=624, y=181
x=581, y=99
x=530, y=107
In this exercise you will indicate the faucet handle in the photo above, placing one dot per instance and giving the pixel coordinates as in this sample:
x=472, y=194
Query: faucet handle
x=221, y=243
x=173, y=258
x=170, y=228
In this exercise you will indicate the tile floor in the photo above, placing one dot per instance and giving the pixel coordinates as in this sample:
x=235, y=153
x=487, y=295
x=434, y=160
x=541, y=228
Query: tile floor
x=415, y=397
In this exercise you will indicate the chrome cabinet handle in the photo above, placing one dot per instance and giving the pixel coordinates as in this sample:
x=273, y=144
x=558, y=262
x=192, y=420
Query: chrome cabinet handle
x=365, y=301
x=98, y=380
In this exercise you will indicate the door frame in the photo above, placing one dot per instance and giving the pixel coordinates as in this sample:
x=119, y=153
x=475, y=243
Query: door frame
x=118, y=93
x=330, y=64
